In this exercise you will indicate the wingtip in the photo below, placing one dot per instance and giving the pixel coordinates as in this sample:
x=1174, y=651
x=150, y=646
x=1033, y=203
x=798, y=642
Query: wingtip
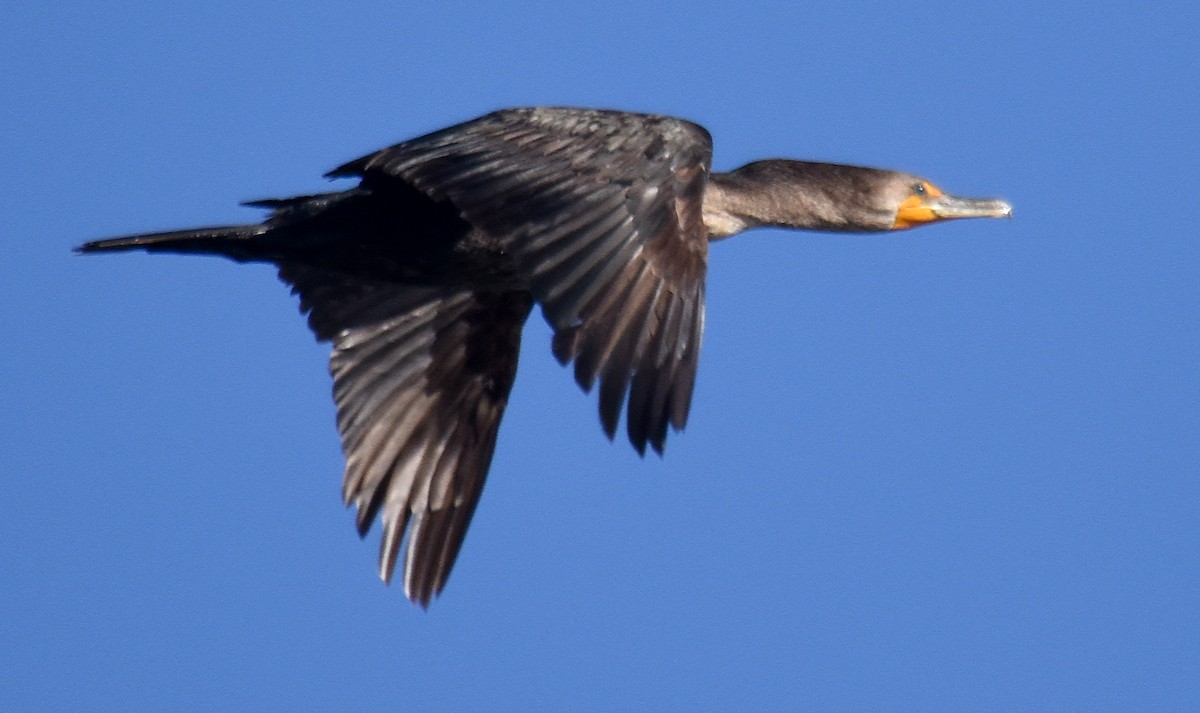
x=387, y=565
x=421, y=596
x=420, y=599
x=564, y=345
x=350, y=169
x=610, y=428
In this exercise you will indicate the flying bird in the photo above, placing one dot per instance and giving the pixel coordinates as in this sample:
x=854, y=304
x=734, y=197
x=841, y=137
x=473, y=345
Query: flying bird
x=423, y=274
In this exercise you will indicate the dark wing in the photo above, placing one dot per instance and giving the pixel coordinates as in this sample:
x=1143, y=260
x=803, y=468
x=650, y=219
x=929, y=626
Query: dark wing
x=421, y=377
x=601, y=213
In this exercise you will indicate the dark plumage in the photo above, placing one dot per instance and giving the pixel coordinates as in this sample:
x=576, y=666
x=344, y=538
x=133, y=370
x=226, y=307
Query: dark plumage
x=423, y=275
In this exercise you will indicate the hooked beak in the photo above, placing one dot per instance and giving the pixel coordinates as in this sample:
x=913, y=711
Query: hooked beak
x=918, y=210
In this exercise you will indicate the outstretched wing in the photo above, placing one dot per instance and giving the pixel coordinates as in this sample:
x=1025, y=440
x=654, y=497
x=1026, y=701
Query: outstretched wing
x=421, y=378
x=601, y=213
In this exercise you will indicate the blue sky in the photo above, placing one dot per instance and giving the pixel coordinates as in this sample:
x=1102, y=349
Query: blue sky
x=950, y=469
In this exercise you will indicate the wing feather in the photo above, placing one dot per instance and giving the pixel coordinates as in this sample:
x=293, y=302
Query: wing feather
x=419, y=394
x=589, y=204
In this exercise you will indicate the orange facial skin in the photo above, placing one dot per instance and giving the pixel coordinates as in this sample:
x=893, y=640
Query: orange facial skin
x=915, y=210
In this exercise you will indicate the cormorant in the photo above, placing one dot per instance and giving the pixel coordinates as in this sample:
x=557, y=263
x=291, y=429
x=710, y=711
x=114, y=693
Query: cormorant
x=423, y=274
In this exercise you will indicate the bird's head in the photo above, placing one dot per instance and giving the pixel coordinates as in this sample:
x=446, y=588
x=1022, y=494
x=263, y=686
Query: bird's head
x=857, y=198
x=917, y=202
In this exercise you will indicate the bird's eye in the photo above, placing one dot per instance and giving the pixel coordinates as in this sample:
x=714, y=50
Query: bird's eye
x=919, y=189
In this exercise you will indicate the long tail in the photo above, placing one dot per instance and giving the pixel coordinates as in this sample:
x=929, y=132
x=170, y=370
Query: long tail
x=232, y=241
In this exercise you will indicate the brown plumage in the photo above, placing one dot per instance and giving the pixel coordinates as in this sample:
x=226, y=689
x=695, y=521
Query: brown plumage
x=423, y=275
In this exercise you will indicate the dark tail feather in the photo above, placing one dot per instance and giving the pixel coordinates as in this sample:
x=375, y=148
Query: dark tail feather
x=231, y=241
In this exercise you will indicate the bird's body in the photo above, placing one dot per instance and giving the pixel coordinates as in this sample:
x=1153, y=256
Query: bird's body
x=423, y=275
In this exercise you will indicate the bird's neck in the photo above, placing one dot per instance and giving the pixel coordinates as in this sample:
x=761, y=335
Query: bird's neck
x=731, y=205
x=791, y=194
